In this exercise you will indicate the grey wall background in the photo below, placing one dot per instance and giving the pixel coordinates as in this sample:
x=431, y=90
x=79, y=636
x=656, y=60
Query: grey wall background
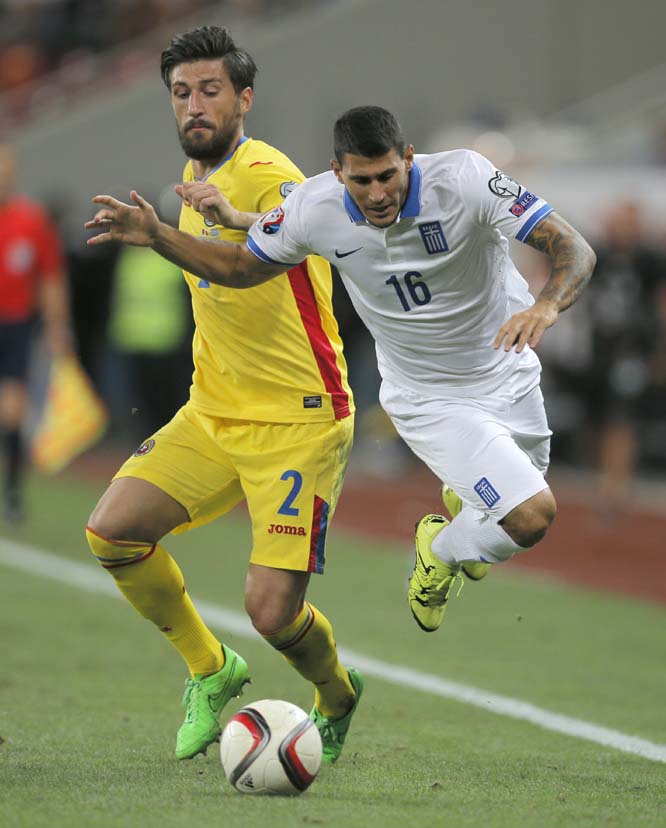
x=430, y=61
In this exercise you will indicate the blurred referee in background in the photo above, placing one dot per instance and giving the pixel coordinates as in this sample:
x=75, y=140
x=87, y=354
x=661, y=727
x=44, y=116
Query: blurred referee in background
x=32, y=285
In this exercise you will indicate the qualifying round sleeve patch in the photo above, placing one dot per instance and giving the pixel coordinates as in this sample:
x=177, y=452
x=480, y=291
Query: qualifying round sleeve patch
x=504, y=186
x=272, y=222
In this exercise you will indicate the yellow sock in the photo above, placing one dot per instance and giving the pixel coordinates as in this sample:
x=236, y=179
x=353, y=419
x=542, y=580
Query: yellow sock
x=307, y=644
x=152, y=582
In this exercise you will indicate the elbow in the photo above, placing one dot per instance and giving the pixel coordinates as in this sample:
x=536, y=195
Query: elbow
x=589, y=257
x=586, y=259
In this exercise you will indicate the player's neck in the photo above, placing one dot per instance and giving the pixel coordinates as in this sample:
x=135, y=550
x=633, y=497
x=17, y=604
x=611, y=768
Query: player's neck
x=201, y=169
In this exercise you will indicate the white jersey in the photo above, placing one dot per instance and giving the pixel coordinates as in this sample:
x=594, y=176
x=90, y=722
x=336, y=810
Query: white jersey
x=434, y=287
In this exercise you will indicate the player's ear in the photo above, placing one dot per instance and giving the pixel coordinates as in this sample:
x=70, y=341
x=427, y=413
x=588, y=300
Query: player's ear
x=409, y=156
x=246, y=98
x=337, y=169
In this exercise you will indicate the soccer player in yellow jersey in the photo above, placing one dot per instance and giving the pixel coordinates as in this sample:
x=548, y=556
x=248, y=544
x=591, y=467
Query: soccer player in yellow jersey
x=269, y=420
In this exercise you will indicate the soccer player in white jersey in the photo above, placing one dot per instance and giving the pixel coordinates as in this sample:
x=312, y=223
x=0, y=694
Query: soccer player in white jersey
x=421, y=243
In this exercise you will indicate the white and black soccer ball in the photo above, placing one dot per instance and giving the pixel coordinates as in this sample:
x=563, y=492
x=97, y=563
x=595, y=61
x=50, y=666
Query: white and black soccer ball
x=271, y=747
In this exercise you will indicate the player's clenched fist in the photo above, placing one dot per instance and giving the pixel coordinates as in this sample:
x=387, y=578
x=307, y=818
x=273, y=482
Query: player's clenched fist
x=136, y=225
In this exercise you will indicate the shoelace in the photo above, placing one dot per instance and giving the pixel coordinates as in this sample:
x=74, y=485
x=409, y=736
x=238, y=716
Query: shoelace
x=191, y=686
x=328, y=731
x=433, y=591
x=329, y=734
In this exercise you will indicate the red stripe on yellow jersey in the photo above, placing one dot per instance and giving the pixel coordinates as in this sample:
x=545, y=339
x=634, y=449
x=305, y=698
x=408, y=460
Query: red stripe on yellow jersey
x=322, y=348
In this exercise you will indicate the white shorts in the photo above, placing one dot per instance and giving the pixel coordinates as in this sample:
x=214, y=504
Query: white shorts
x=493, y=450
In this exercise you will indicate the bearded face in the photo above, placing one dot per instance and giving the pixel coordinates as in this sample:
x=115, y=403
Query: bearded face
x=209, y=112
x=203, y=140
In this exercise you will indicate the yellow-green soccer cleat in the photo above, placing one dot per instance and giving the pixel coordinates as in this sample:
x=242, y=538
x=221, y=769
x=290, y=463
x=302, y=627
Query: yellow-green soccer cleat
x=334, y=731
x=203, y=701
x=475, y=570
x=432, y=579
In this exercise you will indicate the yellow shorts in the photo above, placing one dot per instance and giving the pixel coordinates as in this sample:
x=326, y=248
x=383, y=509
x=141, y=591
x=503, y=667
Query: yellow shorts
x=290, y=474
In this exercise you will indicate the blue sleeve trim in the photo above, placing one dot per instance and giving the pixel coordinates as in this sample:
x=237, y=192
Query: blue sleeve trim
x=526, y=229
x=253, y=247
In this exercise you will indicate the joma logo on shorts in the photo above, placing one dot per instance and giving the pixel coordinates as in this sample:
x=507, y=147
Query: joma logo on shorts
x=280, y=529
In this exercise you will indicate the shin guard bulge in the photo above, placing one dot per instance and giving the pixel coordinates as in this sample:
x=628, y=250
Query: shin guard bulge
x=307, y=644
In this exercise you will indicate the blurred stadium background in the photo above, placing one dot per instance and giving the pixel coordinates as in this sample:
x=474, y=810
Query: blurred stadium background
x=570, y=98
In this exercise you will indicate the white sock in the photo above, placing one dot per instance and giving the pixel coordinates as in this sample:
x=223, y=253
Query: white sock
x=473, y=536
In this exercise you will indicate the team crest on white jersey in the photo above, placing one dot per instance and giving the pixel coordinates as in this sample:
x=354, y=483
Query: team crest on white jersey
x=433, y=237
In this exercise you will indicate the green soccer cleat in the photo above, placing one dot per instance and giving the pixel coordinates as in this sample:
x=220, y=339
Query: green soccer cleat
x=203, y=701
x=475, y=570
x=334, y=731
x=432, y=579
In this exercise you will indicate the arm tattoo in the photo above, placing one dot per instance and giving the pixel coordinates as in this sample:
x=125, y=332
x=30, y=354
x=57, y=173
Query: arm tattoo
x=571, y=257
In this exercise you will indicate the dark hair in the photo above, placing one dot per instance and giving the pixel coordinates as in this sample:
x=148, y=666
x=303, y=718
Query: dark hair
x=209, y=43
x=369, y=131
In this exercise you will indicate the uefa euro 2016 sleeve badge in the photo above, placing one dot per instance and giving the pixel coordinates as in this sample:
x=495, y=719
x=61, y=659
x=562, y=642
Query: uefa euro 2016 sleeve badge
x=271, y=222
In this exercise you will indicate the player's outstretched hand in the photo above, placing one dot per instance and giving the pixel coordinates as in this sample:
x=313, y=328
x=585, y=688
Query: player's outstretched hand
x=526, y=327
x=124, y=223
x=206, y=199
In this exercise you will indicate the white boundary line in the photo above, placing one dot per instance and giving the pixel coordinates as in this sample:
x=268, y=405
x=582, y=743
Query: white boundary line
x=91, y=579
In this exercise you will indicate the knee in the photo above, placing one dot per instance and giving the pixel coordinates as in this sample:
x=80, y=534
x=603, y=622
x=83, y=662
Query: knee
x=274, y=597
x=133, y=510
x=268, y=614
x=119, y=523
x=105, y=523
x=528, y=523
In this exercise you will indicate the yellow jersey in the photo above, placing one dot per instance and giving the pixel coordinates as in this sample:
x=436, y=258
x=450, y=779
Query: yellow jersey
x=270, y=353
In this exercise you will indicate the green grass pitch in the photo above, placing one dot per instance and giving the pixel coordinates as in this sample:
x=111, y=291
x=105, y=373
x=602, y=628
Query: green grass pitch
x=89, y=696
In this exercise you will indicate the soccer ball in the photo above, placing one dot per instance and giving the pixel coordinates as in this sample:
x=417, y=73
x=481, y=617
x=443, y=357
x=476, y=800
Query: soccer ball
x=271, y=747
